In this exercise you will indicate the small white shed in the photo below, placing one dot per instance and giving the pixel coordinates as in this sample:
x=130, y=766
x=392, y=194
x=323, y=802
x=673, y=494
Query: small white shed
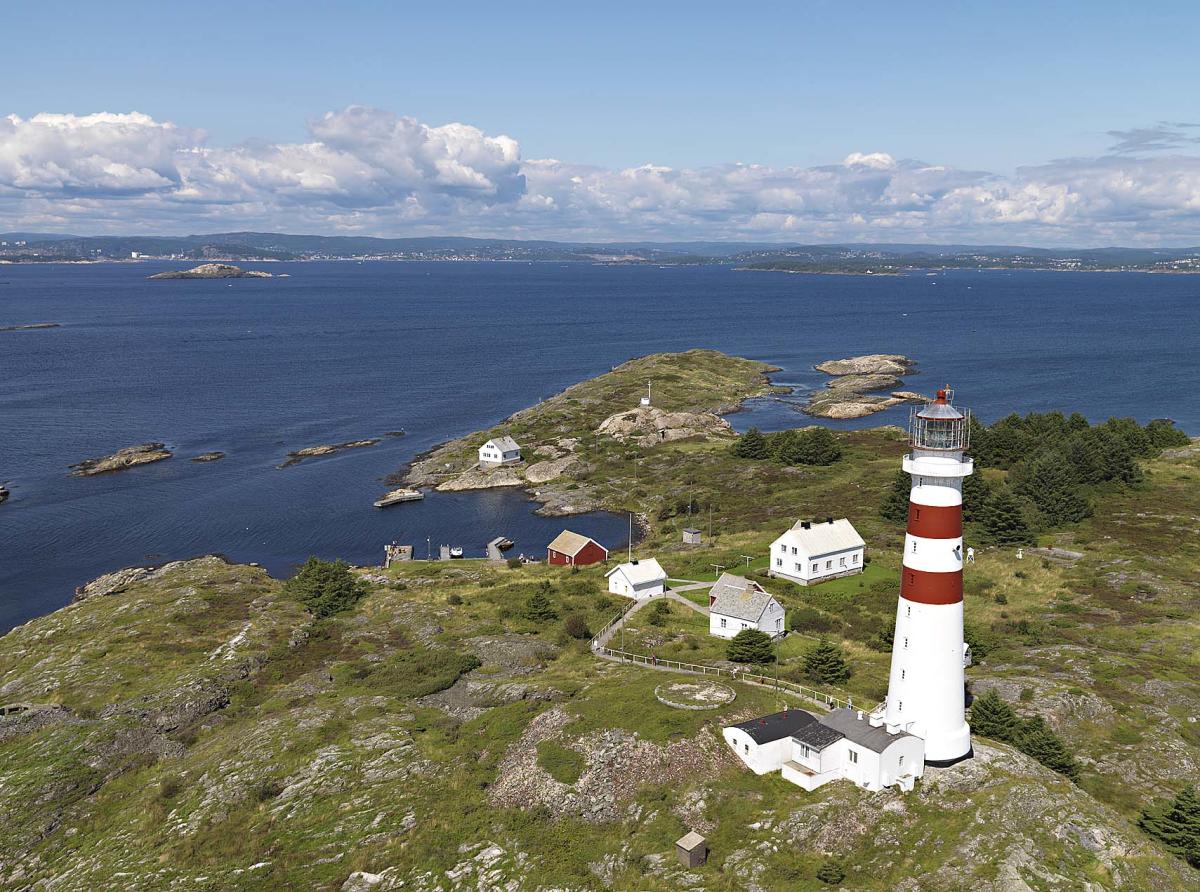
x=499, y=451
x=737, y=603
x=815, y=550
x=637, y=579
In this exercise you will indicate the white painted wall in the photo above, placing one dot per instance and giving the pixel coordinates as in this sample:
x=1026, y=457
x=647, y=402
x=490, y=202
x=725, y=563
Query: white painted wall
x=619, y=584
x=771, y=622
x=759, y=758
x=787, y=562
x=490, y=454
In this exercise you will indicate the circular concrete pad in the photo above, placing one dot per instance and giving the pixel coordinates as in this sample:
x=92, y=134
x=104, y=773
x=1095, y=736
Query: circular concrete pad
x=694, y=694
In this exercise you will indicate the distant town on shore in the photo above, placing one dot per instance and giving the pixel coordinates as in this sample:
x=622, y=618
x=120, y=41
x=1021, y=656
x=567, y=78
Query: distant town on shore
x=862, y=259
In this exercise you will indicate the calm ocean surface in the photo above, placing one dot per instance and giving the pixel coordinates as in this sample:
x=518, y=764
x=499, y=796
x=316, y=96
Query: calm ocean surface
x=342, y=351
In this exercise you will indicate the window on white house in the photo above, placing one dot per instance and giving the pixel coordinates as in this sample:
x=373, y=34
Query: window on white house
x=829, y=565
x=815, y=566
x=723, y=624
x=778, y=562
x=783, y=548
x=793, y=549
x=900, y=762
x=799, y=567
x=855, y=560
x=854, y=757
x=841, y=562
x=747, y=749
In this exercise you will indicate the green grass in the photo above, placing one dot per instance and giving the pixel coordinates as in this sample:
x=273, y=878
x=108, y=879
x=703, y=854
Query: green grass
x=565, y=765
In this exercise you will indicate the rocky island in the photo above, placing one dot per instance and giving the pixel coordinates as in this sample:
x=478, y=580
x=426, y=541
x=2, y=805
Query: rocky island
x=129, y=457
x=858, y=381
x=33, y=326
x=213, y=271
x=3, y=494
x=299, y=455
x=209, y=456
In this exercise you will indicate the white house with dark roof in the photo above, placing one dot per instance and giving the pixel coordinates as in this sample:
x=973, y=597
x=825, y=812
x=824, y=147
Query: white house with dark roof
x=499, y=451
x=637, y=579
x=813, y=551
x=844, y=745
x=736, y=603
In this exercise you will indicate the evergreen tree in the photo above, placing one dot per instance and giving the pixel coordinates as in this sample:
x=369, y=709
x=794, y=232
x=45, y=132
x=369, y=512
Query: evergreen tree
x=1002, y=520
x=992, y=716
x=752, y=444
x=1035, y=738
x=831, y=873
x=818, y=446
x=895, y=500
x=1085, y=460
x=1176, y=824
x=1116, y=458
x=1163, y=434
x=659, y=613
x=1047, y=483
x=325, y=587
x=750, y=646
x=538, y=608
x=826, y=664
x=976, y=492
x=1077, y=423
x=785, y=447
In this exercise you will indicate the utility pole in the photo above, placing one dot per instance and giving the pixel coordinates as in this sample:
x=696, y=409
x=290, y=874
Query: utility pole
x=717, y=568
x=428, y=548
x=630, y=536
x=748, y=558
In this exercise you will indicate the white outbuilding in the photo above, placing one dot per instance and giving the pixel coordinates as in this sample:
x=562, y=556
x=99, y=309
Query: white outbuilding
x=813, y=551
x=843, y=745
x=637, y=579
x=737, y=603
x=499, y=451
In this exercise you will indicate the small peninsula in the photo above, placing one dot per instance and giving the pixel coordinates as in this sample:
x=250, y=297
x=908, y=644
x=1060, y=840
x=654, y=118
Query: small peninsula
x=129, y=457
x=213, y=271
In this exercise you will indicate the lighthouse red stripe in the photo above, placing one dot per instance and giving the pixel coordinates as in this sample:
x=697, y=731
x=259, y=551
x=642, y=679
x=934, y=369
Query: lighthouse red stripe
x=924, y=587
x=933, y=522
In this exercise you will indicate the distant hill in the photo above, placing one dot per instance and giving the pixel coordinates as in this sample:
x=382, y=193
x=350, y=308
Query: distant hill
x=855, y=258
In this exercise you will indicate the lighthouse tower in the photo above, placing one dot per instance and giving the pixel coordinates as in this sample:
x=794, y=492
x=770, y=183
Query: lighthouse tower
x=925, y=689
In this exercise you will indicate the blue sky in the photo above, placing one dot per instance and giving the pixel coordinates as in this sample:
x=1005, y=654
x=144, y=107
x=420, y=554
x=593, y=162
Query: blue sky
x=983, y=88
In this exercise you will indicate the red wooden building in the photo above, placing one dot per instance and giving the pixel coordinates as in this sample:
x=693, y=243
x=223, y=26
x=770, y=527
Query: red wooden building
x=572, y=549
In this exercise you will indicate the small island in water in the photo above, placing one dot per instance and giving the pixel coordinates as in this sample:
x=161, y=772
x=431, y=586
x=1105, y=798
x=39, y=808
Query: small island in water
x=213, y=271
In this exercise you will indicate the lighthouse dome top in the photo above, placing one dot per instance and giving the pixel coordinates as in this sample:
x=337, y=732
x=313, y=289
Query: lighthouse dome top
x=942, y=407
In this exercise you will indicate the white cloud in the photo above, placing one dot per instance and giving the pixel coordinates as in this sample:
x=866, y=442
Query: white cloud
x=371, y=171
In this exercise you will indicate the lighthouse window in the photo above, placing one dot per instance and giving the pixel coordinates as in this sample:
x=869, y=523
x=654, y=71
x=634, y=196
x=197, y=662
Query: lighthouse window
x=900, y=706
x=914, y=545
x=905, y=642
x=903, y=672
x=908, y=610
x=916, y=513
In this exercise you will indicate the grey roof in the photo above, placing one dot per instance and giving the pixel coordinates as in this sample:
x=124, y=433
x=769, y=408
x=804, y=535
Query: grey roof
x=860, y=731
x=504, y=444
x=818, y=735
x=690, y=530
x=777, y=725
x=690, y=841
x=739, y=598
x=940, y=410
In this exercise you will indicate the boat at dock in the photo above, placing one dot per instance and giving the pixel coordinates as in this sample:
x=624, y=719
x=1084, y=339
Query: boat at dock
x=396, y=496
x=456, y=551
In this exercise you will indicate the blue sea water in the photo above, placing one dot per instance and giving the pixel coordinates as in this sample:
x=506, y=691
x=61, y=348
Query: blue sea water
x=341, y=351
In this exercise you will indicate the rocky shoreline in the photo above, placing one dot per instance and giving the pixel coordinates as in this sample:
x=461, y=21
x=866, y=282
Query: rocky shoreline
x=858, y=385
x=129, y=457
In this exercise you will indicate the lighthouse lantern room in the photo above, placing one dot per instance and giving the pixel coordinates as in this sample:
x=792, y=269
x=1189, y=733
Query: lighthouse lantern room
x=926, y=686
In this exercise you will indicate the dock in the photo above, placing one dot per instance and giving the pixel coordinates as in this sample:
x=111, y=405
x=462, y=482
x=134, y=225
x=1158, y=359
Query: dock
x=497, y=547
x=396, y=496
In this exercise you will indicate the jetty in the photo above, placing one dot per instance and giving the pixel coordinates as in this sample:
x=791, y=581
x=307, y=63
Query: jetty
x=396, y=496
x=497, y=547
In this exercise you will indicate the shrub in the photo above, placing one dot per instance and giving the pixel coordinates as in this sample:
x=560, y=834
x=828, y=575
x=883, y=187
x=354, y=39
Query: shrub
x=266, y=789
x=883, y=638
x=826, y=664
x=325, y=587
x=576, y=626
x=454, y=600
x=513, y=563
x=659, y=613
x=169, y=788
x=831, y=872
x=562, y=763
x=750, y=646
x=1176, y=824
x=1001, y=598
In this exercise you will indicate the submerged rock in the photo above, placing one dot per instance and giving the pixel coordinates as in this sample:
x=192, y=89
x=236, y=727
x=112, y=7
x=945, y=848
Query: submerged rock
x=209, y=456
x=326, y=449
x=213, y=271
x=129, y=457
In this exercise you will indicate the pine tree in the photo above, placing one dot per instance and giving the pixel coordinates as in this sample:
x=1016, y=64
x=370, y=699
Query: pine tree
x=1163, y=434
x=1176, y=824
x=895, y=500
x=538, y=608
x=1035, y=738
x=1046, y=481
x=325, y=587
x=1002, y=520
x=750, y=646
x=976, y=492
x=752, y=444
x=1084, y=459
x=992, y=716
x=785, y=448
x=826, y=664
x=817, y=446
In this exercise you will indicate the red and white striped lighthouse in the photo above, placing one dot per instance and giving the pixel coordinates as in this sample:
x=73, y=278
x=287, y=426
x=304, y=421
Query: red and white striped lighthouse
x=925, y=690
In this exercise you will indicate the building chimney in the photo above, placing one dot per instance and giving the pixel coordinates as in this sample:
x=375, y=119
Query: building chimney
x=829, y=520
x=805, y=525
